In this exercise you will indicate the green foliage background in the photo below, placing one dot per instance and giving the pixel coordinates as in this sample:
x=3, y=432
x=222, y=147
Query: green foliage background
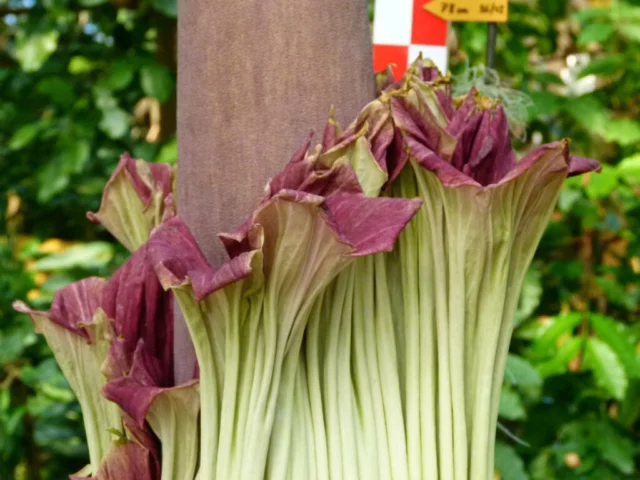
x=83, y=80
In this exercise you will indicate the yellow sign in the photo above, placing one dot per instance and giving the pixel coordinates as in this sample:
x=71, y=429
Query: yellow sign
x=469, y=10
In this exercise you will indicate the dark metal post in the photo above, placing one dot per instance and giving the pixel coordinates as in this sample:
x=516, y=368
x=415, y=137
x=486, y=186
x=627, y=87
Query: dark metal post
x=492, y=35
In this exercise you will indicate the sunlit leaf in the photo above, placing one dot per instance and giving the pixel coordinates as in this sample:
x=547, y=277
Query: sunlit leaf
x=607, y=368
x=560, y=325
x=88, y=255
x=600, y=185
x=623, y=131
x=79, y=65
x=24, y=136
x=92, y=3
x=629, y=168
x=595, y=32
x=615, y=335
x=559, y=363
x=115, y=122
x=32, y=50
x=631, y=31
x=168, y=153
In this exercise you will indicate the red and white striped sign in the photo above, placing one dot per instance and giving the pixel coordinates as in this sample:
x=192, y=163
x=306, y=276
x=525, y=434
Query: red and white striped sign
x=402, y=29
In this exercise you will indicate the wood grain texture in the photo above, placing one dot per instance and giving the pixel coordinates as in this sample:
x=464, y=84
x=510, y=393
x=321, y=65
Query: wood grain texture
x=254, y=77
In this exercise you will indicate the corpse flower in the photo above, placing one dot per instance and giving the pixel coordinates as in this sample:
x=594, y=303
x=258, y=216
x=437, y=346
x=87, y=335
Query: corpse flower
x=128, y=461
x=137, y=197
x=247, y=319
x=461, y=261
x=94, y=326
x=140, y=370
x=158, y=414
x=325, y=348
x=79, y=335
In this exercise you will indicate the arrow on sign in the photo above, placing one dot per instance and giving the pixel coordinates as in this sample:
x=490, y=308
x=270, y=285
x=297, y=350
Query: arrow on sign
x=470, y=10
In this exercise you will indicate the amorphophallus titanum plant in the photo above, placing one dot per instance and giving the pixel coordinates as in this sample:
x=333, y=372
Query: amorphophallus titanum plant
x=324, y=351
x=458, y=267
x=79, y=334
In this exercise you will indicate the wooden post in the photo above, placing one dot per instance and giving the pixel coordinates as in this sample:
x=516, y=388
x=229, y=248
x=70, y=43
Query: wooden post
x=254, y=77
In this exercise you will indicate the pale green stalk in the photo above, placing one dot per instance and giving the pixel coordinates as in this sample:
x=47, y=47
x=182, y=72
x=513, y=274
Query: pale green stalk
x=81, y=363
x=300, y=272
x=365, y=380
x=173, y=416
x=355, y=463
x=253, y=351
x=421, y=349
x=232, y=317
x=388, y=372
x=536, y=210
x=312, y=360
x=209, y=391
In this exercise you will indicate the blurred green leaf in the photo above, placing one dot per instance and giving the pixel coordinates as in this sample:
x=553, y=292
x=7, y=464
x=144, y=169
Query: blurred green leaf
x=623, y=131
x=595, y=32
x=47, y=377
x=120, y=74
x=168, y=153
x=145, y=150
x=24, y=136
x=630, y=406
x=608, y=371
x=75, y=154
x=560, y=325
x=520, y=373
x=529, y=296
x=589, y=113
x=629, y=168
x=603, y=66
x=614, y=334
x=586, y=14
x=602, y=184
x=114, y=122
x=509, y=463
x=89, y=255
x=511, y=406
x=559, y=363
x=92, y=3
x=616, y=293
x=168, y=7
x=79, y=65
x=32, y=50
x=52, y=179
x=613, y=447
x=545, y=103
x=540, y=467
x=156, y=81
x=59, y=90
x=14, y=340
x=631, y=31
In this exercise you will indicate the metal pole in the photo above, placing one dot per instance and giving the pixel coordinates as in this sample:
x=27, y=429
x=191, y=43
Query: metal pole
x=492, y=35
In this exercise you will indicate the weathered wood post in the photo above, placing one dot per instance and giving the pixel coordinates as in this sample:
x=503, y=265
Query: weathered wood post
x=254, y=76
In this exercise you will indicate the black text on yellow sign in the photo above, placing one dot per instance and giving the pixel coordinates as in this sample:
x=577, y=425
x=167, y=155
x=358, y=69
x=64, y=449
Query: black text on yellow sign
x=470, y=10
